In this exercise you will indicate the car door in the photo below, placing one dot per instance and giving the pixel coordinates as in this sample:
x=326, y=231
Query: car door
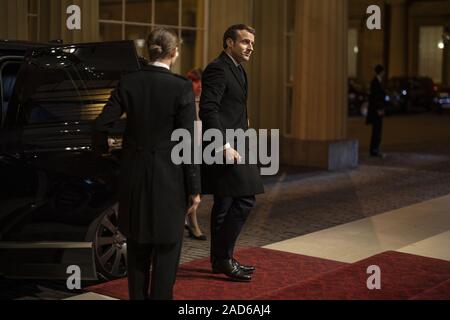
x=47, y=134
x=18, y=183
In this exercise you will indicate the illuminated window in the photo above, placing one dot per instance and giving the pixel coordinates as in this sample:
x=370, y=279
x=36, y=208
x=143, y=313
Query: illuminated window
x=134, y=20
x=430, y=53
x=353, y=51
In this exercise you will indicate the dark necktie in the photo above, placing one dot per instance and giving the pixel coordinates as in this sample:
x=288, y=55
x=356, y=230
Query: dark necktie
x=241, y=71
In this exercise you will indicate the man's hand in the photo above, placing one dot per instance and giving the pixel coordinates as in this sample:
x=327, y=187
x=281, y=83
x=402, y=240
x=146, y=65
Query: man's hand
x=194, y=201
x=231, y=155
x=113, y=144
x=381, y=113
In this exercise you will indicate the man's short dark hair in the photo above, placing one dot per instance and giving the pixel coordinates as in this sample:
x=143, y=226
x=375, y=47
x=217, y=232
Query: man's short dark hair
x=379, y=69
x=232, y=32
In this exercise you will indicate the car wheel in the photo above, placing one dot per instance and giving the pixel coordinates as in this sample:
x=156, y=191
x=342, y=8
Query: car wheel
x=110, y=246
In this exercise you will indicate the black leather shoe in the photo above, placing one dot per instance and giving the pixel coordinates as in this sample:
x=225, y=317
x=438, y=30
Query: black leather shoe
x=192, y=235
x=378, y=155
x=231, y=270
x=247, y=269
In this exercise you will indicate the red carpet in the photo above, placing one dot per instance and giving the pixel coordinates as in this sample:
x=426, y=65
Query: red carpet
x=440, y=292
x=287, y=276
x=403, y=276
x=275, y=269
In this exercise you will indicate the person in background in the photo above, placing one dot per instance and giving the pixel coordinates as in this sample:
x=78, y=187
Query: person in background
x=191, y=223
x=155, y=194
x=376, y=111
x=195, y=75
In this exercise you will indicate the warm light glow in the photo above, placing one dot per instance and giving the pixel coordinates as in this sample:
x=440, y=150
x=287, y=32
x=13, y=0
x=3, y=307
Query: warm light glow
x=355, y=49
x=140, y=43
x=441, y=45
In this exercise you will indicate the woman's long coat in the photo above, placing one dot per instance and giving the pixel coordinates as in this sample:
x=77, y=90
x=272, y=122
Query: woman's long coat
x=153, y=191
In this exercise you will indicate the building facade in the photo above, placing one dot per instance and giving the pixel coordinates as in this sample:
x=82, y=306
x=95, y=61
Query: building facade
x=305, y=52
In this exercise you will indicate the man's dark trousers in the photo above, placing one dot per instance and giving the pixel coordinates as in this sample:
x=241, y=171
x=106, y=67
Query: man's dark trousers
x=227, y=219
x=377, y=129
x=163, y=259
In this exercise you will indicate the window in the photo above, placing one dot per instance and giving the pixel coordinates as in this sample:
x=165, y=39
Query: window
x=8, y=74
x=431, y=52
x=290, y=7
x=33, y=20
x=134, y=20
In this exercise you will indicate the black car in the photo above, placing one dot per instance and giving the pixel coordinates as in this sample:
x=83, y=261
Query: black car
x=409, y=94
x=358, y=98
x=442, y=99
x=58, y=204
x=11, y=56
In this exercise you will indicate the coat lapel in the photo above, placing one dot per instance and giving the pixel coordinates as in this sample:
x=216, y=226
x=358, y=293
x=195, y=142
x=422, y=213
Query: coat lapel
x=235, y=72
x=246, y=81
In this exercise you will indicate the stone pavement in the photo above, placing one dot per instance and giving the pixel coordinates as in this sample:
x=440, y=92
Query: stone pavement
x=299, y=201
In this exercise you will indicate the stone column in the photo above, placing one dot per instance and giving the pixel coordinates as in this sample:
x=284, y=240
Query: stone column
x=268, y=83
x=319, y=114
x=398, y=36
x=14, y=19
x=200, y=43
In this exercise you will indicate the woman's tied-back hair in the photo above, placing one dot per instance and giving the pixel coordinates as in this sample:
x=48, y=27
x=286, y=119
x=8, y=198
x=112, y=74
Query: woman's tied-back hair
x=160, y=43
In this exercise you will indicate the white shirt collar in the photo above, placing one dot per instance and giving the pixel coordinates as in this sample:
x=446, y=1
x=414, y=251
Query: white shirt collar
x=232, y=59
x=380, y=78
x=160, y=64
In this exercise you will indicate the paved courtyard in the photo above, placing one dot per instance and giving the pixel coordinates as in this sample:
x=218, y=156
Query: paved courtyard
x=299, y=201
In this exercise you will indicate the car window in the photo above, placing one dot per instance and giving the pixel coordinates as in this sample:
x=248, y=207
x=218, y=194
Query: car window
x=8, y=75
x=70, y=83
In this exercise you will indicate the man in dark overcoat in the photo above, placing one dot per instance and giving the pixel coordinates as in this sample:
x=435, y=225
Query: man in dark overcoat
x=376, y=111
x=223, y=105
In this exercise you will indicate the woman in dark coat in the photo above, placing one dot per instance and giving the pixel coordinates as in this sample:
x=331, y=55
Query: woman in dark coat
x=154, y=192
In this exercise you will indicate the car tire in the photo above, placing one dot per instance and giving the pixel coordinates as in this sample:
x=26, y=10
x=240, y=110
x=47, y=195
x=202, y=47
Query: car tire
x=110, y=246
